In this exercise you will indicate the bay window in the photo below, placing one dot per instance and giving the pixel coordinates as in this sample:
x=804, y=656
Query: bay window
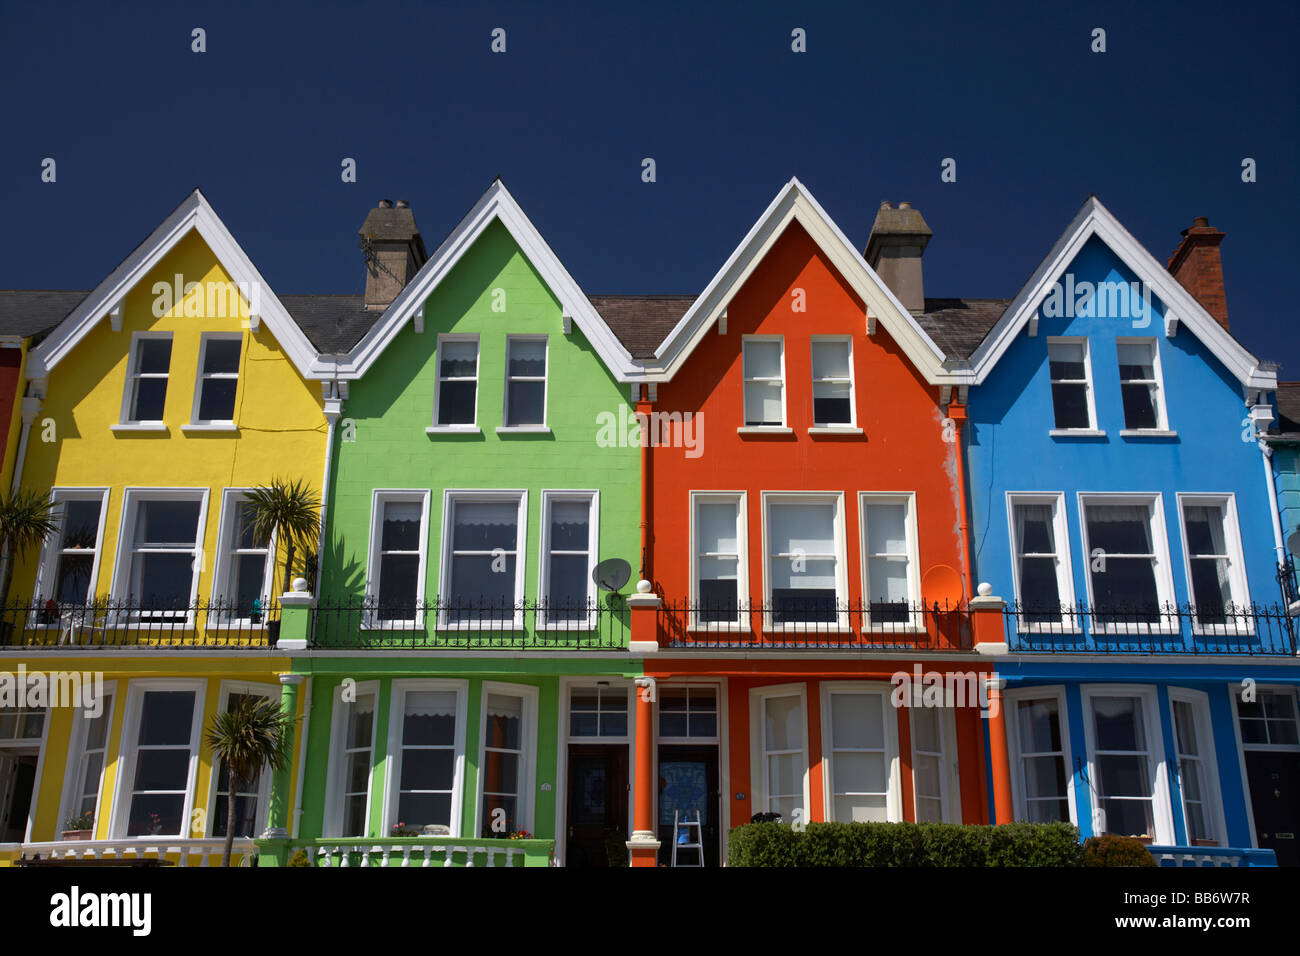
x=1041, y=772
x=427, y=743
x=160, y=759
x=860, y=744
x=1126, y=761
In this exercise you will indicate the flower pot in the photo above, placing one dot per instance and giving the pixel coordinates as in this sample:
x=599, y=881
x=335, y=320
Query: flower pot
x=76, y=834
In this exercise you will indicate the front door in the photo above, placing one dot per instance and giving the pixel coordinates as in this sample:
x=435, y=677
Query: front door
x=1274, y=778
x=597, y=806
x=688, y=783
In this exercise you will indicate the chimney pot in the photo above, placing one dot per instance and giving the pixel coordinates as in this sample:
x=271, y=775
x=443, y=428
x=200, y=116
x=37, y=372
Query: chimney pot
x=904, y=205
x=403, y=204
x=385, y=204
x=886, y=204
x=1200, y=222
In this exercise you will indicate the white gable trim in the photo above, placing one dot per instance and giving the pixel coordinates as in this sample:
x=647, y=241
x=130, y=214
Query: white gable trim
x=1094, y=219
x=106, y=299
x=795, y=203
x=496, y=203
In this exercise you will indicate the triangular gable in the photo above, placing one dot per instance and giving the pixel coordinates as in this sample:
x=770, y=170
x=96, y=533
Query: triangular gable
x=194, y=213
x=795, y=204
x=495, y=204
x=1094, y=219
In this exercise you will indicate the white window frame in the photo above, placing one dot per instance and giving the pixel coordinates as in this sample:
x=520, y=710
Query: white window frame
x=9, y=744
x=332, y=825
x=393, y=762
x=231, y=499
x=128, y=394
x=741, y=501
x=1087, y=380
x=1211, y=801
x=74, y=787
x=200, y=377
x=1241, y=623
x=893, y=765
x=128, y=750
x=1067, y=623
x=121, y=586
x=270, y=692
x=438, y=380
x=591, y=498
x=679, y=741
x=1234, y=691
x=1162, y=412
x=545, y=379
x=852, y=423
x=1017, y=754
x=915, y=619
x=609, y=688
x=52, y=550
x=1154, y=500
x=1161, y=811
x=746, y=379
x=529, y=695
x=758, y=697
x=949, y=772
x=449, y=498
x=769, y=498
x=380, y=497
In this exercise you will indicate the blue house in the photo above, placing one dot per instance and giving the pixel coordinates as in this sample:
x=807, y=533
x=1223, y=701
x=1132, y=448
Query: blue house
x=1123, y=504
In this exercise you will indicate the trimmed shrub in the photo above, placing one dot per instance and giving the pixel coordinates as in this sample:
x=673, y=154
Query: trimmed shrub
x=1116, y=851
x=904, y=844
x=299, y=859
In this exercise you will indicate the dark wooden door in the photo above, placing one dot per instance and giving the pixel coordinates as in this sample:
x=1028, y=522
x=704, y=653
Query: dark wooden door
x=1275, y=801
x=597, y=806
x=688, y=781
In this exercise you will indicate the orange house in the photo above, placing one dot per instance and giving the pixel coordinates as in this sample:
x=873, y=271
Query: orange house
x=813, y=651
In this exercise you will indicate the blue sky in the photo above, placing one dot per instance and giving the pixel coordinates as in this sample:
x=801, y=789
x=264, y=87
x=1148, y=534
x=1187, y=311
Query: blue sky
x=1157, y=127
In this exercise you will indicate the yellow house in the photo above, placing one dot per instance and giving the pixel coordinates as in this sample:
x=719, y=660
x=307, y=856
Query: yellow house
x=150, y=410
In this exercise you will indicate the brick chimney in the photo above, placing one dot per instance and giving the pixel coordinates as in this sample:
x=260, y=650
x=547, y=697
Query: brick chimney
x=395, y=251
x=1197, y=267
x=898, y=238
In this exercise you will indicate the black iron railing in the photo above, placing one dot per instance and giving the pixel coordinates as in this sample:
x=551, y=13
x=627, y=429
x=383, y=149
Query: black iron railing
x=1156, y=629
x=817, y=624
x=355, y=623
x=109, y=622
x=1287, y=581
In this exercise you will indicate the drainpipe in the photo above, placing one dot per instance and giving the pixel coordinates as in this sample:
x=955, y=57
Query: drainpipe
x=643, y=409
x=333, y=409
x=302, y=756
x=31, y=408
x=1261, y=415
x=957, y=413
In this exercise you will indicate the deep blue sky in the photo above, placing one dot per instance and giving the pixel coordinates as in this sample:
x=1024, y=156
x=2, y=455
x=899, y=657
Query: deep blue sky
x=1157, y=127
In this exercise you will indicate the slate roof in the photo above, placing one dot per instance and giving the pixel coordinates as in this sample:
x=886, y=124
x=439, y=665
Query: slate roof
x=641, y=322
x=31, y=312
x=333, y=323
x=958, y=326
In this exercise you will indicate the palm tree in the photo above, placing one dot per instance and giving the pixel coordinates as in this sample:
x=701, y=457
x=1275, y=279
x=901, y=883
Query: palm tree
x=26, y=518
x=250, y=736
x=290, y=511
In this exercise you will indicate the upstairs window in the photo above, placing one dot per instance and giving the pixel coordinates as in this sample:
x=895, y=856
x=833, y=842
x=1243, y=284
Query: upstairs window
x=146, y=378
x=568, y=544
x=805, y=560
x=525, y=382
x=1139, y=382
x=720, y=573
x=483, y=534
x=1042, y=566
x=1127, y=563
x=161, y=556
x=891, y=586
x=68, y=568
x=455, y=401
x=218, y=379
x=1214, y=567
x=1071, y=377
x=832, y=374
x=397, y=555
x=764, y=375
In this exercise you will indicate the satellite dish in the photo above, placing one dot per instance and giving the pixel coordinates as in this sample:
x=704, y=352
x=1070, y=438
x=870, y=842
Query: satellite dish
x=611, y=574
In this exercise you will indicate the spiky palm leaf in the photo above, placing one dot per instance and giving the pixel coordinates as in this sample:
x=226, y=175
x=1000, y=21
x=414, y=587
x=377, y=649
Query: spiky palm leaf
x=251, y=735
x=26, y=518
x=290, y=510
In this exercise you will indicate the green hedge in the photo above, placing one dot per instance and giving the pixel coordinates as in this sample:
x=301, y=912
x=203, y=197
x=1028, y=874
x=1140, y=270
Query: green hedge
x=904, y=844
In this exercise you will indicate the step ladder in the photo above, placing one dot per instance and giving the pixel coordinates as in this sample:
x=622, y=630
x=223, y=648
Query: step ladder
x=688, y=835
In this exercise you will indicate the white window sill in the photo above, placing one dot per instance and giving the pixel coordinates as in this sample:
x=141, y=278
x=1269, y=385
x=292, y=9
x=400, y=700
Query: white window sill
x=562, y=627
x=834, y=430
x=1048, y=630
x=764, y=430
x=218, y=427
x=157, y=427
x=1147, y=433
x=453, y=430
x=392, y=626
x=1077, y=433
x=718, y=628
x=523, y=430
